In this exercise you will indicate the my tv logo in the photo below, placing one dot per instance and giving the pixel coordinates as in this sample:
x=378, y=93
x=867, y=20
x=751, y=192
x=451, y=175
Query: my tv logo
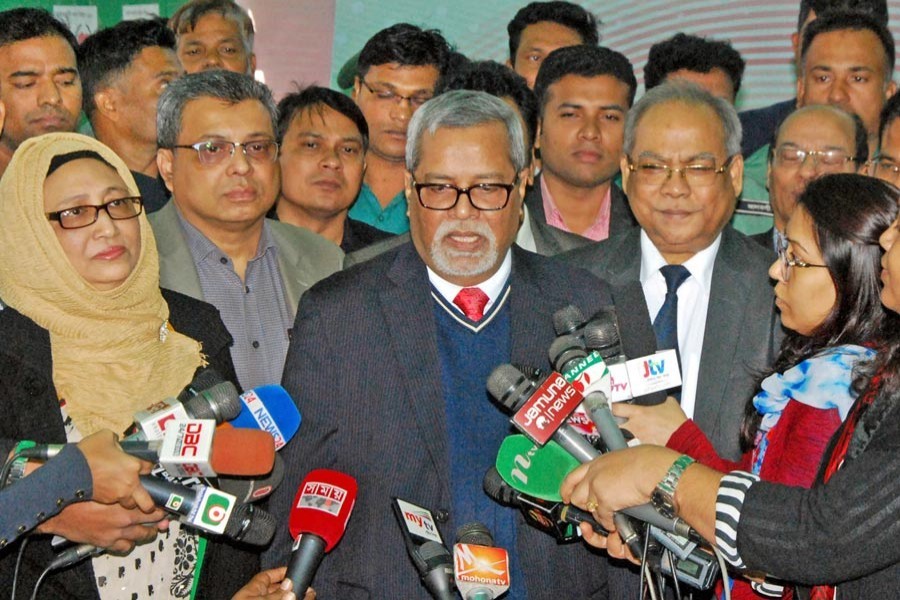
x=652, y=368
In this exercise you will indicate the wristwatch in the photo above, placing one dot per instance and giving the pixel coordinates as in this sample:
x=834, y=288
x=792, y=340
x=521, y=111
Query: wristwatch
x=663, y=497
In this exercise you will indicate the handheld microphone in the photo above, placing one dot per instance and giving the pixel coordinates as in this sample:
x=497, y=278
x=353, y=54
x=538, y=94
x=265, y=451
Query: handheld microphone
x=270, y=408
x=318, y=519
x=482, y=571
x=253, y=489
x=195, y=449
x=212, y=510
x=426, y=548
x=219, y=402
x=554, y=518
x=515, y=392
x=539, y=468
x=643, y=380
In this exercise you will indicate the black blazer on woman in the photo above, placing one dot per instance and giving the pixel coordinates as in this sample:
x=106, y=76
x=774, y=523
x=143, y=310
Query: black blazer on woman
x=29, y=410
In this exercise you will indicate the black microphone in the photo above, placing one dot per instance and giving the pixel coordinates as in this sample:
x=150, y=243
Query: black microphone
x=426, y=548
x=212, y=510
x=512, y=390
x=554, y=518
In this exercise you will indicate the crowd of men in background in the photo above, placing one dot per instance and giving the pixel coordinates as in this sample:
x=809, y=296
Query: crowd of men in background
x=255, y=202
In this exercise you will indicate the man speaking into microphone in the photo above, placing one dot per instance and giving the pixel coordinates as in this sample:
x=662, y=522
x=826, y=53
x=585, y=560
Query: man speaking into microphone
x=389, y=359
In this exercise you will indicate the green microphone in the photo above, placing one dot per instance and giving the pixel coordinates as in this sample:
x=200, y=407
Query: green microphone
x=532, y=469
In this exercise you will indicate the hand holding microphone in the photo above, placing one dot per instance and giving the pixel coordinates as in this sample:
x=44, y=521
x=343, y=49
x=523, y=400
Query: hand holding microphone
x=114, y=473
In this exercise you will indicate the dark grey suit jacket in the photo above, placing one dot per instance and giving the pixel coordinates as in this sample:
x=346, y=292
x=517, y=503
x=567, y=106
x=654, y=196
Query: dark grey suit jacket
x=303, y=256
x=549, y=240
x=364, y=369
x=743, y=331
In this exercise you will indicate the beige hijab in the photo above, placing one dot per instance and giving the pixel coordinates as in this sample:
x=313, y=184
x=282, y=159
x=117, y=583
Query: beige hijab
x=113, y=351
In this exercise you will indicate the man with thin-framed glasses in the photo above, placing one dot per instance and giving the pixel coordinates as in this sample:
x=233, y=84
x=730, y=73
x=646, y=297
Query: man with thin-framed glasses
x=218, y=156
x=423, y=326
x=397, y=71
x=704, y=286
x=811, y=142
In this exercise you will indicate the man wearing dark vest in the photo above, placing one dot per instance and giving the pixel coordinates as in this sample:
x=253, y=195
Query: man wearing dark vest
x=389, y=359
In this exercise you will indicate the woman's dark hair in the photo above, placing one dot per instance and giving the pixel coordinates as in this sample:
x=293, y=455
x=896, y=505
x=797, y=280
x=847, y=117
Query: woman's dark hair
x=849, y=213
x=61, y=159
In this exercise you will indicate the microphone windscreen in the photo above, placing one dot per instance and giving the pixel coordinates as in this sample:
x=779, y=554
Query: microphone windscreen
x=244, y=452
x=497, y=489
x=534, y=470
x=250, y=525
x=323, y=505
x=253, y=489
x=508, y=385
x=272, y=409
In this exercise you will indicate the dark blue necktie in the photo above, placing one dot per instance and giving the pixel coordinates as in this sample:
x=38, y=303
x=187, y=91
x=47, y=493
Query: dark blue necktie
x=666, y=323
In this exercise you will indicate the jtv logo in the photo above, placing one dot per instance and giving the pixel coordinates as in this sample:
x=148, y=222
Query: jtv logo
x=652, y=368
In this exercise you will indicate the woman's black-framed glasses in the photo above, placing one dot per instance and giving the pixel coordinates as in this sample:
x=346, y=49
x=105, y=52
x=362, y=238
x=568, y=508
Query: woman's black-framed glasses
x=77, y=217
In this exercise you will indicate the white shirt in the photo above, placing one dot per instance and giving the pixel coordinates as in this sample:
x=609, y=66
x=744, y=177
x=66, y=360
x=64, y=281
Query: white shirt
x=491, y=287
x=693, y=302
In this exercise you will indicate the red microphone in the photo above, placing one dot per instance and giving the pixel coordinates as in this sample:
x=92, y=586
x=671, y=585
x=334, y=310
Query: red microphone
x=319, y=517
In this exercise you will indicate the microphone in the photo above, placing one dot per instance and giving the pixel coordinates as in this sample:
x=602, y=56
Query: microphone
x=195, y=449
x=539, y=407
x=318, y=519
x=202, y=507
x=212, y=510
x=555, y=518
x=253, y=489
x=539, y=468
x=426, y=548
x=644, y=380
x=270, y=408
x=219, y=402
x=481, y=570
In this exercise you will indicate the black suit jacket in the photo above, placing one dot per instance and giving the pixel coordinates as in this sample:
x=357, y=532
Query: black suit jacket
x=363, y=367
x=30, y=409
x=742, y=335
x=759, y=125
x=549, y=240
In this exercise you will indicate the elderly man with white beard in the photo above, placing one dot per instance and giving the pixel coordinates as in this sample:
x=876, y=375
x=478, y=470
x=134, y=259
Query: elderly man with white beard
x=389, y=359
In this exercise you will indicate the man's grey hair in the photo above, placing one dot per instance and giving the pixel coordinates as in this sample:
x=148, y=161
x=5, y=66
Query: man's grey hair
x=460, y=109
x=691, y=94
x=223, y=85
x=185, y=18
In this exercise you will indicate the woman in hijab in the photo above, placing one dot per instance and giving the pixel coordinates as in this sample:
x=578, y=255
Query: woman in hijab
x=88, y=340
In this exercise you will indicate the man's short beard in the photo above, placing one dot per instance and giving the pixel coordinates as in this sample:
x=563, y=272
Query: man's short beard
x=463, y=264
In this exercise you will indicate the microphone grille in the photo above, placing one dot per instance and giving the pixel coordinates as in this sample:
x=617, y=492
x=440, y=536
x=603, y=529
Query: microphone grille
x=567, y=319
x=431, y=550
x=250, y=525
x=508, y=385
x=204, y=379
x=496, y=488
x=220, y=402
x=565, y=348
x=601, y=333
x=474, y=533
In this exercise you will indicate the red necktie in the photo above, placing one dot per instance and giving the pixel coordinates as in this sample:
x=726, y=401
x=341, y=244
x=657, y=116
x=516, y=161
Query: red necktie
x=472, y=302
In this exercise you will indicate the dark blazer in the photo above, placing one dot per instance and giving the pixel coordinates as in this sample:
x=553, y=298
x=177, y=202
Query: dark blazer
x=759, y=125
x=742, y=332
x=30, y=409
x=845, y=532
x=764, y=239
x=549, y=240
x=364, y=369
